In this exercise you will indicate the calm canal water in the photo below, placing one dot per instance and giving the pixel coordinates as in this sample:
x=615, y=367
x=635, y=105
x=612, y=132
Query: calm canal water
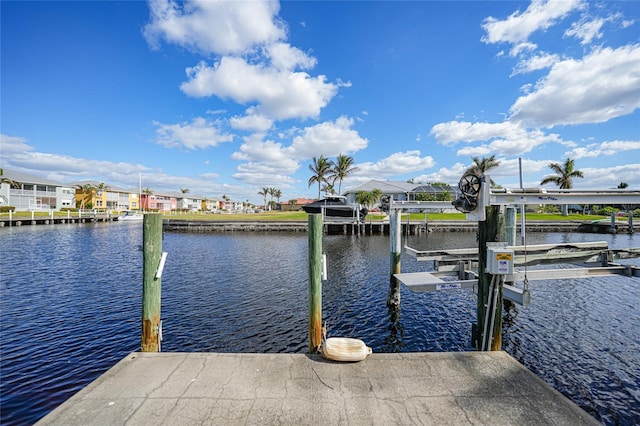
x=70, y=308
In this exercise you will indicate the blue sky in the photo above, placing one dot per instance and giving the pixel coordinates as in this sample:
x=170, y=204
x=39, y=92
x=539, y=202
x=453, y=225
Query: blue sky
x=230, y=97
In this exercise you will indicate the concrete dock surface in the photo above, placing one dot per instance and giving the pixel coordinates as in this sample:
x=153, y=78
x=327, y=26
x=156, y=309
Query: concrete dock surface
x=462, y=388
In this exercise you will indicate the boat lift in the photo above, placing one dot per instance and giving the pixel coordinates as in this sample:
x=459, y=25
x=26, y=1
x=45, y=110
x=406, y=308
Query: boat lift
x=501, y=258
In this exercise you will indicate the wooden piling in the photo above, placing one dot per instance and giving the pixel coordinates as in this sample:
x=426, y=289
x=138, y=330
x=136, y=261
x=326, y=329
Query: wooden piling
x=490, y=230
x=151, y=286
x=395, y=238
x=315, y=282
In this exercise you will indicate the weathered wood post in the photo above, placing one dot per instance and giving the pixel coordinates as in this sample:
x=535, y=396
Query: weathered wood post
x=395, y=237
x=315, y=282
x=511, y=226
x=151, y=286
x=490, y=230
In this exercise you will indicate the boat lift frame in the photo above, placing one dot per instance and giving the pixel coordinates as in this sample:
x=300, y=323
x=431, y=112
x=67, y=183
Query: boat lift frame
x=460, y=262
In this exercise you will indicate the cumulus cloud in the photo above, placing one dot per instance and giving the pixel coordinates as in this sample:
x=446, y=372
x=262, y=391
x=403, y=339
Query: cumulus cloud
x=603, y=85
x=605, y=148
x=261, y=174
x=279, y=94
x=214, y=26
x=198, y=134
x=329, y=138
x=269, y=153
x=399, y=163
x=597, y=178
x=251, y=122
x=506, y=137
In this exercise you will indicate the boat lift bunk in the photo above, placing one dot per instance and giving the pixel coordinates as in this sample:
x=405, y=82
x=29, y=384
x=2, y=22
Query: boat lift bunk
x=462, y=263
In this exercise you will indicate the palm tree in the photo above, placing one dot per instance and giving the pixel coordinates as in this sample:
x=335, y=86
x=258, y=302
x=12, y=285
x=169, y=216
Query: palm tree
x=86, y=194
x=320, y=169
x=563, y=177
x=328, y=189
x=623, y=185
x=341, y=168
x=482, y=165
x=264, y=193
x=272, y=193
x=277, y=193
x=184, y=190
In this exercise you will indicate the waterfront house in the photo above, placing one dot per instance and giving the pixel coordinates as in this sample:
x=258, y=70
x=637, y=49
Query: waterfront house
x=288, y=206
x=104, y=197
x=26, y=192
x=405, y=191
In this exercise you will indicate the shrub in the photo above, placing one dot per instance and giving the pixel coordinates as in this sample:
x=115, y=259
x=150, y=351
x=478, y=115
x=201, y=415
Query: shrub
x=605, y=211
x=7, y=209
x=69, y=209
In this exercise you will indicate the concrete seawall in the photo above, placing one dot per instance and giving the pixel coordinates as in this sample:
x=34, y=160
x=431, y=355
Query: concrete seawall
x=374, y=228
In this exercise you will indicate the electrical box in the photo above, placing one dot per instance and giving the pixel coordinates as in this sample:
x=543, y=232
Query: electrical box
x=499, y=261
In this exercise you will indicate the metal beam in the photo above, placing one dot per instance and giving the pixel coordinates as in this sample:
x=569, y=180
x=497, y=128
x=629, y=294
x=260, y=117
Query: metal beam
x=508, y=196
x=503, y=197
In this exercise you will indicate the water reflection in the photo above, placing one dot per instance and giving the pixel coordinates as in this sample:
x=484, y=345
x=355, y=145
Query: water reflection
x=70, y=308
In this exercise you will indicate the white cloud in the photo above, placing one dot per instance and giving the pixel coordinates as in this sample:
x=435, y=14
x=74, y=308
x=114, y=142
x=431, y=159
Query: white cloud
x=602, y=178
x=506, y=137
x=516, y=29
x=251, y=122
x=450, y=175
x=261, y=174
x=269, y=153
x=535, y=63
x=280, y=94
x=329, y=139
x=474, y=151
x=399, y=163
x=286, y=57
x=605, y=148
x=539, y=16
x=586, y=31
x=603, y=85
x=214, y=26
x=13, y=144
x=198, y=134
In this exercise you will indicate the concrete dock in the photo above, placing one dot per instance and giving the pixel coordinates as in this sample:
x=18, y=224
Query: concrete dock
x=465, y=388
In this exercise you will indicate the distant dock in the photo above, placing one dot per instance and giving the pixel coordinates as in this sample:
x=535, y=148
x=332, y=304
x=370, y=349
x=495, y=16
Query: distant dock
x=56, y=220
x=462, y=388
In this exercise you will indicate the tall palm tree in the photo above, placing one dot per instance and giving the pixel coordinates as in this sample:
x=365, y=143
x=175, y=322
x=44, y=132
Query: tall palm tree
x=563, y=177
x=482, y=165
x=320, y=169
x=264, y=193
x=341, y=168
x=272, y=193
x=277, y=193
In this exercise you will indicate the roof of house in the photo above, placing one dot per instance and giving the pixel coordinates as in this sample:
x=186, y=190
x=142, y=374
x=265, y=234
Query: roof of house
x=27, y=178
x=386, y=186
x=300, y=201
